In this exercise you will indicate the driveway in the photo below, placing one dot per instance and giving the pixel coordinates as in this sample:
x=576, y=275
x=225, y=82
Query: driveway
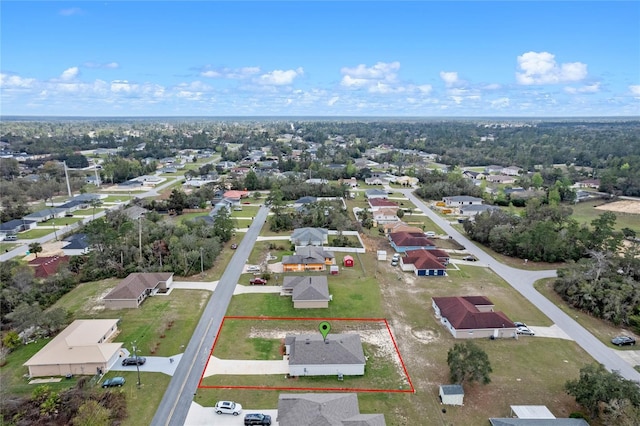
x=245, y=367
x=554, y=331
x=200, y=416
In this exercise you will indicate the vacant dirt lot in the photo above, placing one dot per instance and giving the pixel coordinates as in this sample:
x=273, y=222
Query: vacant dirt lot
x=624, y=206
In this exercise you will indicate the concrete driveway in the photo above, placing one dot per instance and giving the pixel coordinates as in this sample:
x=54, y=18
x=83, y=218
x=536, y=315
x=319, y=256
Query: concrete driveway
x=199, y=415
x=245, y=367
x=554, y=331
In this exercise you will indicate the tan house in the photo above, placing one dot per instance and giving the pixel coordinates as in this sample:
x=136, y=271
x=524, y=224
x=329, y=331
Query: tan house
x=390, y=228
x=134, y=289
x=308, y=258
x=83, y=348
x=307, y=292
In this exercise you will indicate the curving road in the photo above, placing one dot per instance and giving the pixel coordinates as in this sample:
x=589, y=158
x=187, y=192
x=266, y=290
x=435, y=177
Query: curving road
x=177, y=399
x=523, y=281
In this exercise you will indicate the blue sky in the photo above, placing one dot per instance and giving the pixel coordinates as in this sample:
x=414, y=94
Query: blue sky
x=328, y=58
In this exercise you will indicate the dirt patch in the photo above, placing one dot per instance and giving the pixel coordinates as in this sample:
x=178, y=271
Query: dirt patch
x=425, y=335
x=624, y=206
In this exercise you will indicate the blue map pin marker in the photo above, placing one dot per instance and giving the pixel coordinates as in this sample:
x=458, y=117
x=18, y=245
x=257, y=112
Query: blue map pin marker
x=324, y=328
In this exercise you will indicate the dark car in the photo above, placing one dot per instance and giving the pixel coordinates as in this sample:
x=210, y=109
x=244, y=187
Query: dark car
x=470, y=258
x=114, y=382
x=623, y=340
x=257, y=419
x=140, y=360
x=258, y=281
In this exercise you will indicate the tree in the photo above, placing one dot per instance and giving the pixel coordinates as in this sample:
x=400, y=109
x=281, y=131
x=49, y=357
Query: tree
x=599, y=390
x=536, y=180
x=35, y=247
x=468, y=363
x=251, y=182
x=223, y=225
x=400, y=213
x=11, y=340
x=177, y=201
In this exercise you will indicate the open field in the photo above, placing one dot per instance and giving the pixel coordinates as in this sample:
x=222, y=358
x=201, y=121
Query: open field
x=34, y=233
x=628, y=218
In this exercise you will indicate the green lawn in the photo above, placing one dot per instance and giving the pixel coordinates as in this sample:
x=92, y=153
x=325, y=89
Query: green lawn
x=119, y=197
x=247, y=211
x=60, y=222
x=88, y=212
x=585, y=213
x=34, y=233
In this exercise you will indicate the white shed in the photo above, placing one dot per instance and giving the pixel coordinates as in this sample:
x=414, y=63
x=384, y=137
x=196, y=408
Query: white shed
x=382, y=255
x=451, y=394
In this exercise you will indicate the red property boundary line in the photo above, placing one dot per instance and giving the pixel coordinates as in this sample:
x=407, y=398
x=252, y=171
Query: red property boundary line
x=289, y=388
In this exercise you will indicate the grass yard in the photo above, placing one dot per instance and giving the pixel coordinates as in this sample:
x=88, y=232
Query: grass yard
x=585, y=213
x=34, y=233
x=5, y=247
x=60, y=222
x=120, y=198
x=243, y=223
x=247, y=211
x=88, y=212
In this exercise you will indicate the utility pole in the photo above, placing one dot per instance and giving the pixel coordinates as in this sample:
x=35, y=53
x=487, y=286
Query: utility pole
x=135, y=355
x=140, y=236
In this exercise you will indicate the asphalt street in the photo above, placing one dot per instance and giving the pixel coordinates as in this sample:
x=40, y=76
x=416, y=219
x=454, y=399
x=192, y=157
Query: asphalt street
x=177, y=399
x=523, y=282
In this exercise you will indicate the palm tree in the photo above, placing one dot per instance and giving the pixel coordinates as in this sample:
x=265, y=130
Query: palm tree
x=35, y=248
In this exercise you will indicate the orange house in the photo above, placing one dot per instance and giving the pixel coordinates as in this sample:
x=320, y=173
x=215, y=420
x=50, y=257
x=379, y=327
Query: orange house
x=308, y=259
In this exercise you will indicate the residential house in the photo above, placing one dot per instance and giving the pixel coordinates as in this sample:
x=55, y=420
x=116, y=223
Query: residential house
x=425, y=262
x=493, y=169
x=310, y=237
x=307, y=291
x=379, y=203
x=461, y=200
x=588, y=183
x=351, y=182
x=376, y=181
x=472, y=317
x=317, y=181
x=131, y=184
x=474, y=209
x=406, y=181
x=334, y=409
x=503, y=179
x=135, y=288
x=14, y=226
x=385, y=215
x=400, y=226
x=135, y=212
x=534, y=415
x=76, y=245
x=335, y=355
x=376, y=193
x=48, y=265
x=83, y=348
x=235, y=195
x=308, y=258
x=46, y=214
x=403, y=241
x=303, y=201
x=511, y=171
x=470, y=174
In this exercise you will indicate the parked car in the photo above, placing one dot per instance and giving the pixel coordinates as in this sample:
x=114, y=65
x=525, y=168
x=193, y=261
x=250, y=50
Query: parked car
x=113, y=382
x=470, y=258
x=525, y=330
x=253, y=268
x=234, y=246
x=430, y=234
x=394, y=263
x=11, y=238
x=623, y=340
x=228, y=407
x=138, y=360
x=257, y=419
x=520, y=324
x=257, y=281
x=396, y=256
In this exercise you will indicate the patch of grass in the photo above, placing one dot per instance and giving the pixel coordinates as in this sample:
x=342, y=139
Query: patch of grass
x=118, y=198
x=586, y=212
x=60, y=222
x=35, y=233
x=142, y=403
x=4, y=247
x=88, y=212
x=247, y=211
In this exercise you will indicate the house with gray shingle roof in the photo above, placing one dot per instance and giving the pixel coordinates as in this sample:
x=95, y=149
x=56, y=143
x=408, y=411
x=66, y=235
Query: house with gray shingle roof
x=311, y=409
x=46, y=214
x=310, y=236
x=307, y=291
x=133, y=290
x=312, y=355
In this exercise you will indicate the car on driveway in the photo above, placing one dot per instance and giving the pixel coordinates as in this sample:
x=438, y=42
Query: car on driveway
x=623, y=340
x=520, y=324
x=228, y=407
x=470, y=258
x=113, y=382
x=257, y=419
x=258, y=281
x=253, y=268
x=138, y=360
x=525, y=330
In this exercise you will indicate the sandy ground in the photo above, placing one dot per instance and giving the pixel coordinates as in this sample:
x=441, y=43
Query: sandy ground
x=624, y=206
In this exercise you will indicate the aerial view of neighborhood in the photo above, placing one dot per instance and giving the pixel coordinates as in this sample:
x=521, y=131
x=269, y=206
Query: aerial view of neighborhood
x=319, y=213
x=320, y=272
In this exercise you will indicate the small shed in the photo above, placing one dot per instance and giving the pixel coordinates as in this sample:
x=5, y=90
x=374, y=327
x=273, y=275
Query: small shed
x=334, y=269
x=348, y=261
x=382, y=255
x=451, y=394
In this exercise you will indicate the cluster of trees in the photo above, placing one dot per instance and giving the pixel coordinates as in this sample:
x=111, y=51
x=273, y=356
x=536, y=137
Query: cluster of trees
x=81, y=405
x=607, y=396
x=321, y=214
x=468, y=363
x=543, y=232
x=606, y=285
x=437, y=184
x=116, y=169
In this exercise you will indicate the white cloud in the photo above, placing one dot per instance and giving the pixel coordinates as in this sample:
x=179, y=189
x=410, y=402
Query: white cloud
x=71, y=11
x=492, y=86
x=370, y=77
x=69, y=73
x=333, y=100
x=280, y=77
x=449, y=78
x=123, y=86
x=635, y=90
x=542, y=68
x=15, y=81
x=500, y=103
x=107, y=65
x=424, y=88
x=590, y=88
x=231, y=73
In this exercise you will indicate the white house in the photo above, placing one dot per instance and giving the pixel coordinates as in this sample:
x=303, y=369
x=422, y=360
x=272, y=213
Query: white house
x=461, y=200
x=312, y=355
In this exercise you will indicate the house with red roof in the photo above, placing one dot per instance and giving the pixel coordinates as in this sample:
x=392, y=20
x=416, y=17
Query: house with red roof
x=382, y=203
x=235, y=195
x=472, y=317
x=48, y=265
x=425, y=262
x=404, y=241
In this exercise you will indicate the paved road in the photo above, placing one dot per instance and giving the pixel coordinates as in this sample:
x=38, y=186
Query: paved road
x=177, y=399
x=523, y=282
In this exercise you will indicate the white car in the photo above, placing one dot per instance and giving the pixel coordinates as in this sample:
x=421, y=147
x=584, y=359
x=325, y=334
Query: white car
x=228, y=407
x=523, y=329
x=253, y=268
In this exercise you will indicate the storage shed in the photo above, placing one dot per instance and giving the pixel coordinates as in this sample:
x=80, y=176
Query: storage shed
x=334, y=269
x=348, y=261
x=451, y=394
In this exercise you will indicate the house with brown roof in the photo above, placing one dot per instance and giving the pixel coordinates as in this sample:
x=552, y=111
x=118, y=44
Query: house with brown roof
x=472, y=317
x=133, y=290
x=312, y=409
x=425, y=262
x=307, y=291
x=48, y=265
x=380, y=203
x=83, y=348
x=403, y=241
x=335, y=355
x=400, y=226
